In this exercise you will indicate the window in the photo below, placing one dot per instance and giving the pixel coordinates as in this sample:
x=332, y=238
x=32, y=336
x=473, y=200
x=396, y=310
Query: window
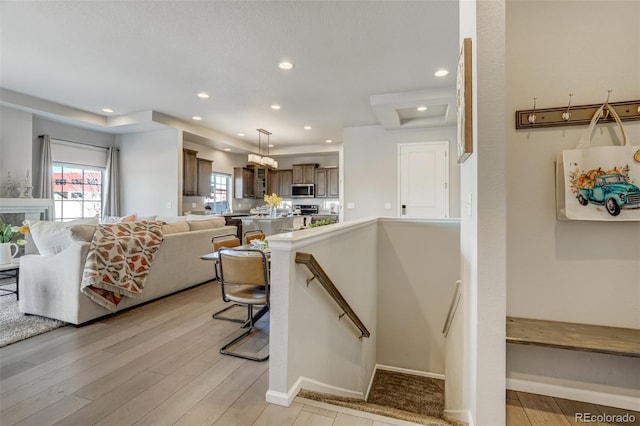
x=77, y=191
x=220, y=187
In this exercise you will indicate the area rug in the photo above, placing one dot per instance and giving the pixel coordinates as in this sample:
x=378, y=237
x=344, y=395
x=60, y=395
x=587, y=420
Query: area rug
x=402, y=396
x=16, y=326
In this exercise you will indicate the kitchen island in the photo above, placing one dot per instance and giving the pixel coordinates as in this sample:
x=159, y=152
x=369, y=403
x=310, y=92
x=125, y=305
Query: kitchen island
x=274, y=225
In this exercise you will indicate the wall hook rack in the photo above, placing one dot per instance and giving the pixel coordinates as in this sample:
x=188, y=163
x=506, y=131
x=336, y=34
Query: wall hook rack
x=580, y=115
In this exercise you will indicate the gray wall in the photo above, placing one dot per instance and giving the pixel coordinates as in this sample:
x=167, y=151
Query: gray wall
x=583, y=272
x=151, y=172
x=370, y=171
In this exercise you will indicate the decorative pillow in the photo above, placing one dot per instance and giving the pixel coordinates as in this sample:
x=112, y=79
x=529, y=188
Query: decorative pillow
x=82, y=233
x=146, y=218
x=173, y=228
x=115, y=219
x=197, y=225
x=51, y=237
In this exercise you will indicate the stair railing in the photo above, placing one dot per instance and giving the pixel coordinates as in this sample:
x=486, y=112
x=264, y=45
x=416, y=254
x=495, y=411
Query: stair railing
x=453, y=308
x=312, y=264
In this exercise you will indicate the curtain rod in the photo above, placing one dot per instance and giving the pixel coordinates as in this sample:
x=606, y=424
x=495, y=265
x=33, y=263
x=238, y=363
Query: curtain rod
x=79, y=143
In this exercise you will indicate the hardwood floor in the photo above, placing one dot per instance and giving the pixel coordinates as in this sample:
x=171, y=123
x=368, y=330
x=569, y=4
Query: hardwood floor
x=159, y=364
x=526, y=409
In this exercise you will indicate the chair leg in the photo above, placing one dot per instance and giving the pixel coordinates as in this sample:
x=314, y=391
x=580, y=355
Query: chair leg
x=225, y=349
x=218, y=315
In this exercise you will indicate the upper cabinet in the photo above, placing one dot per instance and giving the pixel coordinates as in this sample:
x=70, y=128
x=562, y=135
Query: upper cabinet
x=204, y=177
x=327, y=185
x=280, y=182
x=196, y=174
x=244, y=185
x=304, y=173
x=189, y=172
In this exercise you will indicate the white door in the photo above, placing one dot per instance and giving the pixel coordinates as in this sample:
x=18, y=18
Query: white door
x=423, y=173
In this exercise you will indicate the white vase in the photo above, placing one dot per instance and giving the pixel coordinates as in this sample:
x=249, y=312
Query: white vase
x=273, y=211
x=7, y=253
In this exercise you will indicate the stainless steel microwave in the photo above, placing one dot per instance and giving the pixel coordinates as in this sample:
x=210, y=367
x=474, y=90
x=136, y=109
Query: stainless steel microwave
x=303, y=190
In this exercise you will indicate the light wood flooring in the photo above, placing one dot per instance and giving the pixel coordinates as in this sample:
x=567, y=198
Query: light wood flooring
x=159, y=364
x=526, y=409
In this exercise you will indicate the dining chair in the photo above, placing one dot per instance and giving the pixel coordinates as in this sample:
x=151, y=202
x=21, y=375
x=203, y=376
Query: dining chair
x=256, y=234
x=244, y=280
x=224, y=241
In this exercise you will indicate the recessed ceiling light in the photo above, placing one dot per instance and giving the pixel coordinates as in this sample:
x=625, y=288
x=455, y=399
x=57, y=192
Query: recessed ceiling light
x=270, y=145
x=275, y=106
x=240, y=134
x=422, y=108
x=227, y=149
x=441, y=73
x=329, y=141
x=203, y=95
x=196, y=117
x=107, y=110
x=285, y=65
x=307, y=127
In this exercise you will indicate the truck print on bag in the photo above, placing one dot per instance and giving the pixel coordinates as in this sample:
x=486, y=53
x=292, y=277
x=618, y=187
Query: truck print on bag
x=612, y=189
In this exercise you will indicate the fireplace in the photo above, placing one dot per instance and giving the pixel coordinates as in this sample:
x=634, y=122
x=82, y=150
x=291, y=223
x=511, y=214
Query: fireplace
x=15, y=210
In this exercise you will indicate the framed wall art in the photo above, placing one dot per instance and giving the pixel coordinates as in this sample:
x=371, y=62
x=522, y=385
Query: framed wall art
x=464, y=103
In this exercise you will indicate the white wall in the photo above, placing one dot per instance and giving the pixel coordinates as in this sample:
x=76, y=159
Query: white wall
x=151, y=172
x=418, y=265
x=583, y=272
x=16, y=137
x=309, y=345
x=370, y=172
x=476, y=343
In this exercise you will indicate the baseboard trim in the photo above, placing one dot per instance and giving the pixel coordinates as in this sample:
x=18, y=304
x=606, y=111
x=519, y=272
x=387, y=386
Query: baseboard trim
x=459, y=415
x=576, y=394
x=285, y=399
x=409, y=371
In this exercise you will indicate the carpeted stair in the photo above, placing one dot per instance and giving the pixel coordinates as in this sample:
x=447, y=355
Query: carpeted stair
x=402, y=396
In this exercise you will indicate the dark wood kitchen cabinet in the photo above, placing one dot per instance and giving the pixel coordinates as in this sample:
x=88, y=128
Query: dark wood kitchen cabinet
x=304, y=173
x=189, y=172
x=244, y=183
x=327, y=185
x=204, y=177
x=280, y=182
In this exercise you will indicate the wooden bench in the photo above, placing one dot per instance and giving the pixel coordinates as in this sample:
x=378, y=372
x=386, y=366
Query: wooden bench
x=580, y=337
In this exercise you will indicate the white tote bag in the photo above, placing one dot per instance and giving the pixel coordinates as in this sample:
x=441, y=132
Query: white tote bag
x=599, y=183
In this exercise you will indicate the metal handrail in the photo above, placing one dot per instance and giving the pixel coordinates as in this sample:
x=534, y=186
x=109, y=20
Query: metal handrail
x=452, y=308
x=312, y=264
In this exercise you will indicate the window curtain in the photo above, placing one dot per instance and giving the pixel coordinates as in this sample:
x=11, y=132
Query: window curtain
x=45, y=181
x=111, y=187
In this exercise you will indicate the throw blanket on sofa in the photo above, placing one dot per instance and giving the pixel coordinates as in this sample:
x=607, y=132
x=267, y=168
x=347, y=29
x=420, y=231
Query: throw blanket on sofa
x=118, y=262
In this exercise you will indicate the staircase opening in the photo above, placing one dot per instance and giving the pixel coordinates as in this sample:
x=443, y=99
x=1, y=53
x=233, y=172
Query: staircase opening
x=403, y=396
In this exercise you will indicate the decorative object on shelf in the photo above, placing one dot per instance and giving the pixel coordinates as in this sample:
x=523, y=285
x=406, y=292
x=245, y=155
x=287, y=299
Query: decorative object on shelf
x=532, y=117
x=26, y=188
x=464, y=103
x=10, y=240
x=599, y=183
x=273, y=201
x=258, y=159
x=11, y=187
x=575, y=115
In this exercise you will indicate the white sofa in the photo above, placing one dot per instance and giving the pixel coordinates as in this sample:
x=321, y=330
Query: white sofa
x=50, y=284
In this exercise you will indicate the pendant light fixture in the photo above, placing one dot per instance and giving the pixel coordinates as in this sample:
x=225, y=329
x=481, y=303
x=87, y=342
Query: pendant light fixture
x=258, y=159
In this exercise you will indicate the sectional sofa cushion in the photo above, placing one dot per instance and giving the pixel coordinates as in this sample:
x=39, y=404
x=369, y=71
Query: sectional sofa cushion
x=172, y=228
x=197, y=225
x=51, y=237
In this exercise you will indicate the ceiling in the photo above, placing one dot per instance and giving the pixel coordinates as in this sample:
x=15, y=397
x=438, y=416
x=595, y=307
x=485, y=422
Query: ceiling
x=356, y=63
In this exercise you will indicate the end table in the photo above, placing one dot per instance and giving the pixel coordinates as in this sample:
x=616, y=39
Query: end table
x=9, y=273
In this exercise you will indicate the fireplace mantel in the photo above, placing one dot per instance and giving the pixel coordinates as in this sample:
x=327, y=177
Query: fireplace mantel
x=32, y=208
